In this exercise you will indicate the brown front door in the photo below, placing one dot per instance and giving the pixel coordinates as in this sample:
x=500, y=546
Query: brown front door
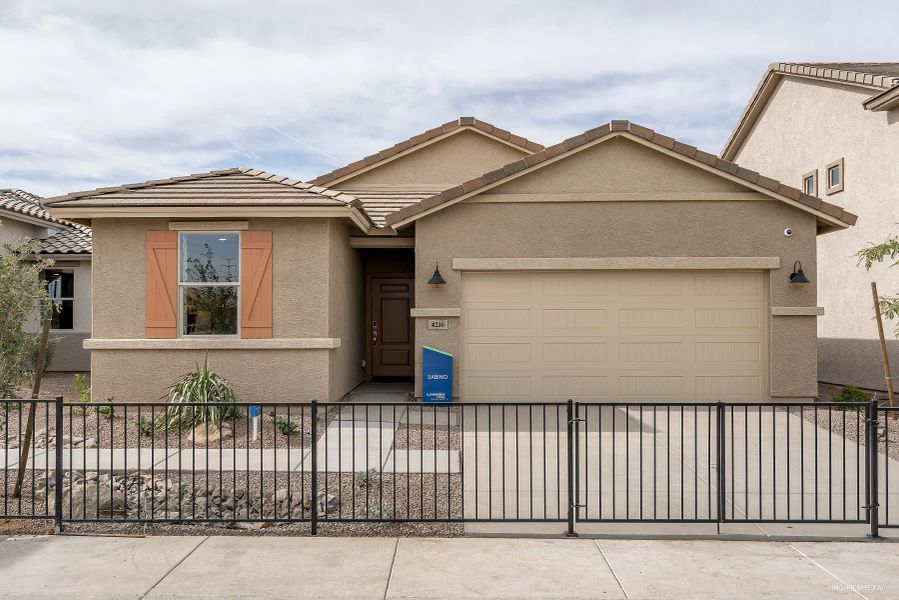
x=390, y=336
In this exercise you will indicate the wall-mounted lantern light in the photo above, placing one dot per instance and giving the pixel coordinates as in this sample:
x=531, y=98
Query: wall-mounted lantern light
x=797, y=276
x=436, y=279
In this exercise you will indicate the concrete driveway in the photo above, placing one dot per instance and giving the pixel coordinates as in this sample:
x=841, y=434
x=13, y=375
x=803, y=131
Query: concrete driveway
x=378, y=568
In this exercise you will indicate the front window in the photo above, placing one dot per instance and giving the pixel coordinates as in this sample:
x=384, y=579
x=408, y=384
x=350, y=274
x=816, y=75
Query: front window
x=209, y=278
x=61, y=291
x=809, y=184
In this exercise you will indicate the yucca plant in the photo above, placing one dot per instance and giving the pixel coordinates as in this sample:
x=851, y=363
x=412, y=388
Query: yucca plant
x=211, y=393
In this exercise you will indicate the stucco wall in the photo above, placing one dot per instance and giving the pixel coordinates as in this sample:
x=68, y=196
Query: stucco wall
x=300, y=271
x=529, y=220
x=12, y=230
x=347, y=312
x=806, y=125
x=257, y=375
x=447, y=162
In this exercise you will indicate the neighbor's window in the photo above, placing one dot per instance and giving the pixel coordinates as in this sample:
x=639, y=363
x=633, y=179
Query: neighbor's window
x=61, y=291
x=810, y=183
x=835, y=176
x=209, y=278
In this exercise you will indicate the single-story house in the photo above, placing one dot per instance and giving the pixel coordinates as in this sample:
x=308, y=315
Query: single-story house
x=68, y=282
x=618, y=265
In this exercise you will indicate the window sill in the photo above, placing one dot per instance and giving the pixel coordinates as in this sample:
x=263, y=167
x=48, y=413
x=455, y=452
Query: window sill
x=209, y=343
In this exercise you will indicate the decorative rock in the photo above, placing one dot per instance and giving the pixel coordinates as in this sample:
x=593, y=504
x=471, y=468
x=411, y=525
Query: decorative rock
x=328, y=503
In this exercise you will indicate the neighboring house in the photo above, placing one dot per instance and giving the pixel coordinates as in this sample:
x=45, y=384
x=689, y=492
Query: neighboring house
x=833, y=129
x=69, y=280
x=616, y=265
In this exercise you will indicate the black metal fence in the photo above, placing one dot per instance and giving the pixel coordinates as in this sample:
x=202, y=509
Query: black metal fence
x=480, y=462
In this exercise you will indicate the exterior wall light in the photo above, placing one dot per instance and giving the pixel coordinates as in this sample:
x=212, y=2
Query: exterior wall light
x=436, y=279
x=797, y=276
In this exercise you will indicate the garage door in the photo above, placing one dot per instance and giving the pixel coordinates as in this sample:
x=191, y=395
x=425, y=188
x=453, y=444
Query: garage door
x=614, y=335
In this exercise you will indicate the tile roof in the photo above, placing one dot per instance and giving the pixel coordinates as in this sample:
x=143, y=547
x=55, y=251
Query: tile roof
x=644, y=133
x=24, y=203
x=874, y=76
x=75, y=240
x=64, y=237
x=461, y=122
x=228, y=187
x=379, y=204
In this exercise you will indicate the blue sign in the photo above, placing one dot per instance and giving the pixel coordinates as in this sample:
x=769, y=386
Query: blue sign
x=255, y=410
x=437, y=375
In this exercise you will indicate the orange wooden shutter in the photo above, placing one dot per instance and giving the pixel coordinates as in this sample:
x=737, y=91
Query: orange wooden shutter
x=162, y=284
x=256, y=284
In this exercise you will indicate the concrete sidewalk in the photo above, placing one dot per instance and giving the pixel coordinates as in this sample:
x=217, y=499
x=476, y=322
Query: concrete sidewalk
x=283, y=567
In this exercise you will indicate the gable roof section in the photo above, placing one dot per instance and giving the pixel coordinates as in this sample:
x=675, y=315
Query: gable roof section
x=27, y=205
x=423, y=139
x=229, y=188
x=833, y=216
x=64, y=238
x=876, y=77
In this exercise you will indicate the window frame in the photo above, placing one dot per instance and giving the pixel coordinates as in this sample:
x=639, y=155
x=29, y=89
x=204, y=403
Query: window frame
x=182, y=285
x=837, y=164
x=813, y=174
x=61, y=299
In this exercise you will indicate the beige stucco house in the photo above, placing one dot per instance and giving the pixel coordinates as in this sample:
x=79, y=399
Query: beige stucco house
x=833, y=130
x=69, y=280
x=616, y=265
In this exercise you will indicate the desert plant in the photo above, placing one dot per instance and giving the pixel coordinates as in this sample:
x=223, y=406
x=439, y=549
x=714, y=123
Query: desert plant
x=145, y=426
x=21, y=290
x=366, y=479
x=285, y=426
x=106, y=411
x=380, y=511
x=888, y=251
x=850, y=394
x=82, y=395
x=204, y=396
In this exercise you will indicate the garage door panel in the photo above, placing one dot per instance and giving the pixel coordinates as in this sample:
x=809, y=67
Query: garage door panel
x=680, y=336
x=577, y=319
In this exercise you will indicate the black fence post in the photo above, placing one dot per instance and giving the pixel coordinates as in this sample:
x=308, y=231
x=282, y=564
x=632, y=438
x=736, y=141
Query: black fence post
x=57, y=497
x=314, y=467
x=572, y=488
x=871, y=471
x=722, y=452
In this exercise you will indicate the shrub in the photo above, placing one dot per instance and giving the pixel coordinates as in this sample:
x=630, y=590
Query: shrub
x=851, y=394
x=366, y=478
x=82, y=395
x=285, y=426
x=380, y=511
x=212, y=393
x=107, y=412
x=145, y=426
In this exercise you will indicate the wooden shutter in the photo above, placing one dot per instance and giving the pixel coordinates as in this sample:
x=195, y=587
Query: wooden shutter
x=162, y=284
x=256, y=284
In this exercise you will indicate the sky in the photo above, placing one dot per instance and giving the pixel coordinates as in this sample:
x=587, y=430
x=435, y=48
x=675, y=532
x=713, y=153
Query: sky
x=99, y=93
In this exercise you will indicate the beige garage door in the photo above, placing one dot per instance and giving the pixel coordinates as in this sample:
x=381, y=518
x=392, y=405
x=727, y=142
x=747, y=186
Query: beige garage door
x=614, y=335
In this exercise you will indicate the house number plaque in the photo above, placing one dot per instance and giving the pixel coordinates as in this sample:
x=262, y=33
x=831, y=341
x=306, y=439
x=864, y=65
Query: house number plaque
x=438, y=324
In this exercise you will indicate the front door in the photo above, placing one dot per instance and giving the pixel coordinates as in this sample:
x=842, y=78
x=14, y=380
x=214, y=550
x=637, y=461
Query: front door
x=390, y=339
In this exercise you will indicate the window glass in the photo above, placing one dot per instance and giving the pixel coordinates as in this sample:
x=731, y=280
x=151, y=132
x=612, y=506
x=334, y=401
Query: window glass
x=61, y=290
x=210, y=257
x=209, y=278
x=834, y=174
x=810, y=186
x=210, y=310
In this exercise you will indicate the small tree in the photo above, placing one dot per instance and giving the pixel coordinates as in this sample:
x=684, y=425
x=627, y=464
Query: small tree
x=878, y=253
x=21, y=292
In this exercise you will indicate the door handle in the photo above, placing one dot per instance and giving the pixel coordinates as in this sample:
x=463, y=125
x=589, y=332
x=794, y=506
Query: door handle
x=374, y=333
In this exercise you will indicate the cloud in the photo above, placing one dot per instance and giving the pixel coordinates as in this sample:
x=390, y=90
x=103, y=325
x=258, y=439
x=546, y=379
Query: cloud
x=107, y=92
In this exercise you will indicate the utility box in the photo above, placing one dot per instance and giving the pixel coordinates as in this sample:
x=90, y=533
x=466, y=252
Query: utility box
x=437, y=375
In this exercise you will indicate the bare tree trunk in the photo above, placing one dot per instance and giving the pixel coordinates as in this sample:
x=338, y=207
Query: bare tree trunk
x=883, y=347
x=35, y=392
